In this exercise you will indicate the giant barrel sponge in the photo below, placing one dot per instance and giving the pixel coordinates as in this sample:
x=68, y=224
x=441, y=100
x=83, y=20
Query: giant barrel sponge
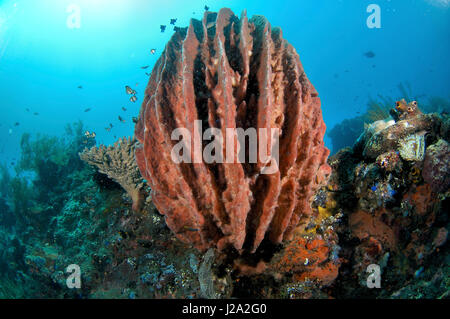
x=231, y=73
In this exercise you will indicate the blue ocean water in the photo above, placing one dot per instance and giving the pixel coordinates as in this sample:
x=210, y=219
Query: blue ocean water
x=43, y=59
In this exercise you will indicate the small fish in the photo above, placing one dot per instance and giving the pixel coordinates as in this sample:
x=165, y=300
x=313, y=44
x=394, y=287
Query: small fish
x=206, y=8
x=87, y=110
x=16, y=124
x=108, y=129
x=129, y=90
x=147, y=74
x=173, y=21
x=80, y=86
x=124, y=109
x=121, y=119
x=153, y=51
x=36, y=113
x=135, y=119
x=144, y=67
x=369, y=54
x=89, y=134
x=210, y=25
x=110, y=125
x=133, y=98
x=163, y=28
x=27, y=109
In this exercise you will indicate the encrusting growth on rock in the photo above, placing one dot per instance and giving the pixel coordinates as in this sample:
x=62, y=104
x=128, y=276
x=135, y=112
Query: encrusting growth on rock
x=118, y=163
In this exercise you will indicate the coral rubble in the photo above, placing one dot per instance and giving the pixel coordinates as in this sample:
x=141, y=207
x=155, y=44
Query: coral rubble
x=232, y=73
x=117, y=161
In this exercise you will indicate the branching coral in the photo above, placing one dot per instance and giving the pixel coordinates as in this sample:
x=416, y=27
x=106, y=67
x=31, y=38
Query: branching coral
x=118, y=163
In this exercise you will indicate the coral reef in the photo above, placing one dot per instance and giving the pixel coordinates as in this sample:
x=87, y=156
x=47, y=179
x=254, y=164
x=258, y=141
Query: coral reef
x=312, y=229
x=394, y=218
x=345, y=134
x=406, y=135
x=435, y=166
x=389, y=211
x=118, y=163
x=231, y=73
x=121, y=253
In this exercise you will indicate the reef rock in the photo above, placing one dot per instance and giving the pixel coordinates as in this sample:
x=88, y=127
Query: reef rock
x=412, y=147
x=119, y=164
x=394, y=218
x=436, y=166
x=392, y=137
x=231, y=73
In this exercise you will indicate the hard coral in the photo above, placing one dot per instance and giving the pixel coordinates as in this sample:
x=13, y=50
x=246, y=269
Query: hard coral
x=230, y=73
x=118, y=163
